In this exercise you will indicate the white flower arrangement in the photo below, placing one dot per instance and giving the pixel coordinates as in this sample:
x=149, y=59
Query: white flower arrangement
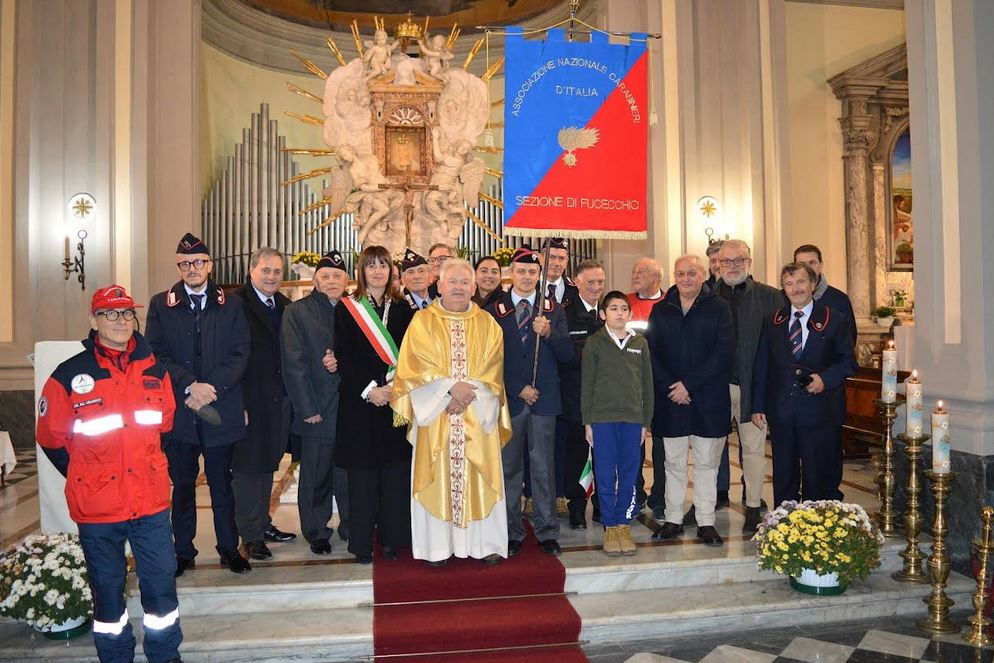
x=43, y=581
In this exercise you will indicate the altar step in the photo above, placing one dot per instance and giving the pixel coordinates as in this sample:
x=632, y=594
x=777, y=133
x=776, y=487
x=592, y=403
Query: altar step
x=321, y=611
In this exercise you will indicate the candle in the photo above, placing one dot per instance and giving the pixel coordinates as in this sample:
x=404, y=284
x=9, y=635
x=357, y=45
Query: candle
x=940, y=440
x=915, y=406
x=67, y=247
x=888, y=369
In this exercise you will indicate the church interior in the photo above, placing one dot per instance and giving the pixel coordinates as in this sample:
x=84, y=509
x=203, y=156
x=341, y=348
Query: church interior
x=126, y=123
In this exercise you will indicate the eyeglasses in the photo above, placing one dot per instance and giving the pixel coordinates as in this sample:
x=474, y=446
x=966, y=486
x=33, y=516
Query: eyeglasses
x=738, y=262
x=438, y=259
x=127, y=314
x=185, y=265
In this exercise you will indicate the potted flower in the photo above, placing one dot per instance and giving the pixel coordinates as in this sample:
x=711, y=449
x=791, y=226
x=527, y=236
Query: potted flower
x=884, y=315
x=820, y=545
x=303, y=264
x=43, y=582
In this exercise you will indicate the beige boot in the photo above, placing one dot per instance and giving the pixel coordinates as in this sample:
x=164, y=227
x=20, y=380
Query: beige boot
x=625, y=541
x=612, y=546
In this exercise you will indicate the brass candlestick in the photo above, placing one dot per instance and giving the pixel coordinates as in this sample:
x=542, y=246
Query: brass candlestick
x=913, y=556
x=887, y=517
x=938, y=561
x=977, y=635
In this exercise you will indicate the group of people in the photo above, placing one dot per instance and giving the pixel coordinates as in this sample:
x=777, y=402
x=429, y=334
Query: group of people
x=428, y=401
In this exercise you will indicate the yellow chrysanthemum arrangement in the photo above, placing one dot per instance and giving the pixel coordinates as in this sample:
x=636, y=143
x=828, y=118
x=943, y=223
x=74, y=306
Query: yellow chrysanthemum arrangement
x=826, y=536
x=308, y=258
x=503, y=255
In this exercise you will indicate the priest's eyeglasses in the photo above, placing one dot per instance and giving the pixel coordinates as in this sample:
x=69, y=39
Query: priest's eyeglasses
x=185, y=265
x=112, y=315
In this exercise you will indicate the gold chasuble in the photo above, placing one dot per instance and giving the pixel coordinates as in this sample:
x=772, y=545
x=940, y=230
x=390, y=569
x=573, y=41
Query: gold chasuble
x=457, y=474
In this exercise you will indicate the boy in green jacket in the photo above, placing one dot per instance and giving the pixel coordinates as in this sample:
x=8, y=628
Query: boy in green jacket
x=616, y=405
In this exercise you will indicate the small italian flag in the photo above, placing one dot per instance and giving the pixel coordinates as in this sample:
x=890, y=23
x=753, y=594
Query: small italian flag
x=587, y=476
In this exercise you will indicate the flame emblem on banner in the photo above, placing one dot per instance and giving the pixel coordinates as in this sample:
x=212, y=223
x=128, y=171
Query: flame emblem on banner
x=571, y=138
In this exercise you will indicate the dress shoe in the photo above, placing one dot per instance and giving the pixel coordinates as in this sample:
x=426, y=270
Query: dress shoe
x=708, y=535
x=235, y=562
x=258, y=550
x=722, y=500
x=388, y=552
x=577, y=521
x=437, y=563
x=321, y=547
x=513, y=548
x=562, y=507
x=550, y=547
x=690, y=518
x=667, y=532
x=278, y=536
x=753, y=517
x=364, y=559
x=493, y=559
x=182, y=564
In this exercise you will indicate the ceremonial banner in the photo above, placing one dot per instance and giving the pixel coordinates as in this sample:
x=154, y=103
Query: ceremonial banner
x=575, y=138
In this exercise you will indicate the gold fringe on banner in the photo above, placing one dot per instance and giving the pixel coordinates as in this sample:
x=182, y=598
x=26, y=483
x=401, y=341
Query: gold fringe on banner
x=574, y=234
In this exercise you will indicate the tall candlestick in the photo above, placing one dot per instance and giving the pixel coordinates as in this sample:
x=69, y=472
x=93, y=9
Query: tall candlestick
x=913, y=423
x=940, y=440
x=888, y=377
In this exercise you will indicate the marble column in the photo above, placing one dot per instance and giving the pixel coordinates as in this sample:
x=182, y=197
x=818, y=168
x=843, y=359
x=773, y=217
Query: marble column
x=857, y=140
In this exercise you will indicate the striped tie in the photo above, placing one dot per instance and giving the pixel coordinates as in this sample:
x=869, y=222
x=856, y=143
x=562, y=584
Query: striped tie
x=523, y=313
x=794, y=334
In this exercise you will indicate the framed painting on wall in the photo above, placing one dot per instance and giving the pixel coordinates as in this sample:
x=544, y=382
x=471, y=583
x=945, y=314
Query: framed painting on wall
x=901, y=238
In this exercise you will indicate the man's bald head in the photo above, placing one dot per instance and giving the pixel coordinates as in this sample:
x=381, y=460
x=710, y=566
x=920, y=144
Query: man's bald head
x=647, y=275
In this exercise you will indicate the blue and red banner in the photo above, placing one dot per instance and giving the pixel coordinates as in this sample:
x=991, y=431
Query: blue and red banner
x=576, y=137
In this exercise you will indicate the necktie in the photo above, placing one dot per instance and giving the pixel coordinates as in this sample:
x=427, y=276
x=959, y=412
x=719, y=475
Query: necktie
x=523, y=313
x=424, y=304
x=270, y=303
x=552, y=291
x=197, y=304
x=794, y=334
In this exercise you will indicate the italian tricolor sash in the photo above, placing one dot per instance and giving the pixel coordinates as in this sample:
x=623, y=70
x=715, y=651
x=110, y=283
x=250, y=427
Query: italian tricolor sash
x=375, y=330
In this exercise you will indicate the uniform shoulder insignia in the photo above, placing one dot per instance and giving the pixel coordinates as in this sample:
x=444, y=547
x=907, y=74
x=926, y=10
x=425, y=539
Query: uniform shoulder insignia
x=502, y=309
x=549, y=305
x=220, y=296
x=820, y=325
x=569, y=281
x=172, y=299
x=779, y=317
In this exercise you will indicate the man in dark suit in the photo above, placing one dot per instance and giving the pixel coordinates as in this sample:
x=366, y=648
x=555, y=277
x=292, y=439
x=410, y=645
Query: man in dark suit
x=581, y=321
x=534, y=407
x=832, y=297
x=202, y=338
x=311, y=374
x=267, y=408
x=805, y=355
x=416, y=276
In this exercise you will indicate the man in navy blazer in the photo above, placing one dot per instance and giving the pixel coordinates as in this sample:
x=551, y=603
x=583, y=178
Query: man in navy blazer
x=805, y=355
x=534, y=408
x=824, y=293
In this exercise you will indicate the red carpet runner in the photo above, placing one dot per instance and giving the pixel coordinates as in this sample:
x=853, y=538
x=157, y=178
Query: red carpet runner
x=514, y=610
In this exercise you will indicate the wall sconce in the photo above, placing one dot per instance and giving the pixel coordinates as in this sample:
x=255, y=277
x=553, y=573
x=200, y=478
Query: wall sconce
x=708, y=208
x=81, y=207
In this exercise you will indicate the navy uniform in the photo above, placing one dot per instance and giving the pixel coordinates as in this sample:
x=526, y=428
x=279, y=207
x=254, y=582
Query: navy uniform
x=532, y=425
x=100, y=418
x=805, y=428
x=206, y=343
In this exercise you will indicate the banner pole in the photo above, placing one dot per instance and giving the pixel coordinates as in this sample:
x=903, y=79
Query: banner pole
x=540, y=306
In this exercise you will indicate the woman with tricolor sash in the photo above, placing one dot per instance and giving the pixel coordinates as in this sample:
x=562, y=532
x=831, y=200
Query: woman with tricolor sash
x=369, y=329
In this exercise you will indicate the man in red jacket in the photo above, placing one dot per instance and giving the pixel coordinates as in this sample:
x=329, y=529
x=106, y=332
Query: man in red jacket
x=99, y=420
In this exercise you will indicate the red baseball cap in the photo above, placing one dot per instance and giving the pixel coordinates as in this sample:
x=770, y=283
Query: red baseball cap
x=111, y=297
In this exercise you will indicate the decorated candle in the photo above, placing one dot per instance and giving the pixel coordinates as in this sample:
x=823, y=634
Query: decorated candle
x=915, y=407
x=940, y=439
x=888, y=377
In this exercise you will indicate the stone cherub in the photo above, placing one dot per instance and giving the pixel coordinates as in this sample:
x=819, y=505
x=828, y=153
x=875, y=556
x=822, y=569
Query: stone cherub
x=356, y=184
x=458, y=176
x=436, y=57
x=378, y=54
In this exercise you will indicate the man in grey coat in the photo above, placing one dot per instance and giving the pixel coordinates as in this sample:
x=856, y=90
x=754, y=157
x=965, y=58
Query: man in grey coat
x=310, y=374
x=751, y=302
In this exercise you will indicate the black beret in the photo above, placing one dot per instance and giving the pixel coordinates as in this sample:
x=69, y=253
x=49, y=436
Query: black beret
x=332, y=259
x=191, y=245
x=411, y=259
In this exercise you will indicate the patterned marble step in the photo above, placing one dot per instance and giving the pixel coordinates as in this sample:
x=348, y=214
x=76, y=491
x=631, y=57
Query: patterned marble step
x=666, y=566
x=628, y=616
x=309, y=636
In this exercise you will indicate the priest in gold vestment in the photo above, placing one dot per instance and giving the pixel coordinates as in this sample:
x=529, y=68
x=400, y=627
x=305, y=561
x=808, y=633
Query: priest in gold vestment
x=449, y=386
